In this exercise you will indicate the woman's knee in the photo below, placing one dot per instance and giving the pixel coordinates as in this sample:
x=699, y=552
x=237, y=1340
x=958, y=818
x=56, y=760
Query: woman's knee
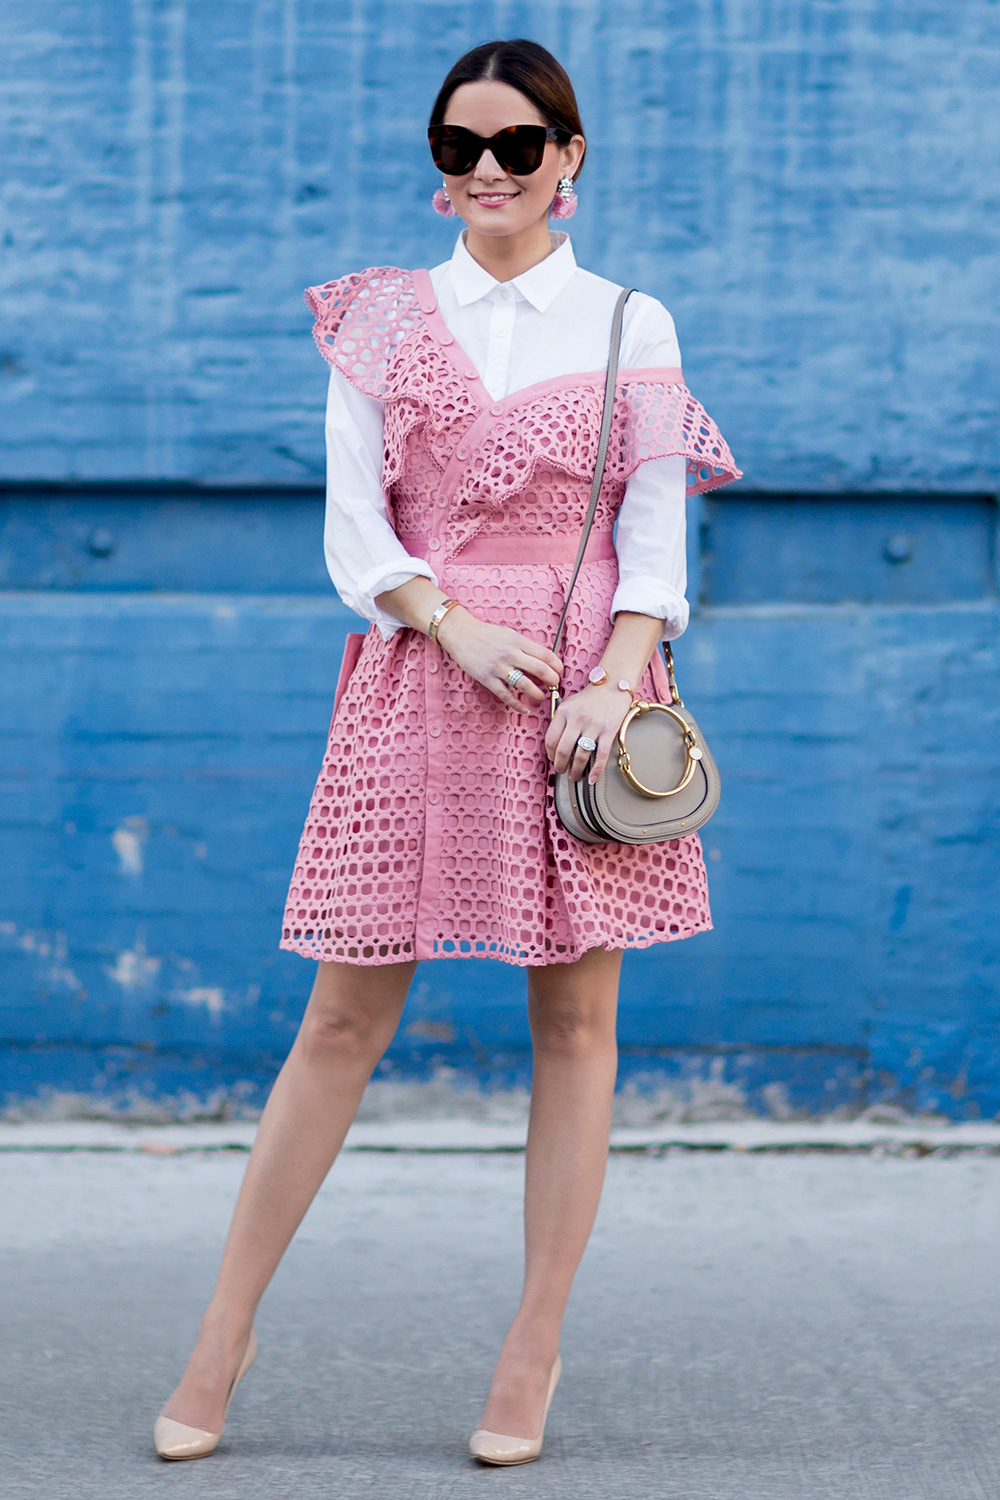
x=572, y=1008
x=341, y=1031
x=568, y=1028
x=350, y=1020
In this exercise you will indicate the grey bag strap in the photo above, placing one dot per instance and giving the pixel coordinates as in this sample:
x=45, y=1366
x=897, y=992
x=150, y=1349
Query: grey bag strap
x=602, y=454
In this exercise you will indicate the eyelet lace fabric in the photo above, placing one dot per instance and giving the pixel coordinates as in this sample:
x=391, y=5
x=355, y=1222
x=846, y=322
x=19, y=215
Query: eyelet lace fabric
x=431, y=831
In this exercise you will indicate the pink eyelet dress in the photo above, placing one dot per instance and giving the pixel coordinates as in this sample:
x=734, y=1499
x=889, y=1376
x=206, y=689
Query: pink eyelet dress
x=431, y=831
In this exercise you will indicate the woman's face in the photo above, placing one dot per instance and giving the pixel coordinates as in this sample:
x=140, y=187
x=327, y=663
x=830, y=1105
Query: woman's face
x=488, y=198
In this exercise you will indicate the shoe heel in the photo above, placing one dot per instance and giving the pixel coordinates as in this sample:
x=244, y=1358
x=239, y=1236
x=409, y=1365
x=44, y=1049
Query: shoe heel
x=175, y=1440
x=497, y=1448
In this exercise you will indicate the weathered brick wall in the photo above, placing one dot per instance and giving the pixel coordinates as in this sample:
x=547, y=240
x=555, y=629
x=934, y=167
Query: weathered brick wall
x=808, y=187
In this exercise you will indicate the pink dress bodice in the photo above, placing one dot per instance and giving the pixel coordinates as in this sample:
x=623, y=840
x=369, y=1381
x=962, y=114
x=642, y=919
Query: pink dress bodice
x=449, y=447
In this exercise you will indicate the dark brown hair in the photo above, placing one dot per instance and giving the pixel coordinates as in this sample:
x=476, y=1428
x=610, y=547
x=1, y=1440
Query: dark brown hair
x=527, y=67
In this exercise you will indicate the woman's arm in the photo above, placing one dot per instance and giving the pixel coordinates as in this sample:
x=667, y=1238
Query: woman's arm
x=598, y=710
x=375, y=575
x=650, y=536
x=651, y=545
x=648, y=604
x=364, y=556
x=487, y=652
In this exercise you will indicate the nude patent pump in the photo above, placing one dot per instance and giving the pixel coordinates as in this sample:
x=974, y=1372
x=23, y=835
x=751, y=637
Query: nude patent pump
x=496, y=1448
x=176, y=1440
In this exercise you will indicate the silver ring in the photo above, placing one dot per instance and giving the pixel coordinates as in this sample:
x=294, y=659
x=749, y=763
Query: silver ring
x=586, y=743
x=514, y=677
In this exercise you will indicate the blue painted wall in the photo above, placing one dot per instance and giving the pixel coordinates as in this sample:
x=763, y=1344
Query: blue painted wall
x=808, y=190
x=808, y=185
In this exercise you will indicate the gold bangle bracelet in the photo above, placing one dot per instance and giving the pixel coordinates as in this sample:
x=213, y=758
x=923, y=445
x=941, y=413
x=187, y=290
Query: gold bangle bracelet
x=438, y=616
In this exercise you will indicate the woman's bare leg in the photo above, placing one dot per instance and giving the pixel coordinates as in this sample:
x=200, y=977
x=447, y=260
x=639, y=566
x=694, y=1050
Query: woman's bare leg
x=573, y=1010
x=351, y=1017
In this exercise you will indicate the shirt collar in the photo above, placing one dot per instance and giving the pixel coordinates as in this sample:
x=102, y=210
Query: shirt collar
x=540, y=285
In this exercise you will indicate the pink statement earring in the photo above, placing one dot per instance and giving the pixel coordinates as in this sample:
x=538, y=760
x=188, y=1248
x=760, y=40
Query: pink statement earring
x=563, y=205
x=442, y=203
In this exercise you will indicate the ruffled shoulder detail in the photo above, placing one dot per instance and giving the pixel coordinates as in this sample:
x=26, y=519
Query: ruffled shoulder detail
x=360, y=321
x=662, y=419
x=655, y=416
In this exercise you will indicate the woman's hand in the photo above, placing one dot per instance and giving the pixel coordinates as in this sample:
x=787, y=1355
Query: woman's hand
x=488, y=652
x=597, y=711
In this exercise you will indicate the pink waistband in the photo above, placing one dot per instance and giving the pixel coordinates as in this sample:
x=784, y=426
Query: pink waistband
x=525, y=548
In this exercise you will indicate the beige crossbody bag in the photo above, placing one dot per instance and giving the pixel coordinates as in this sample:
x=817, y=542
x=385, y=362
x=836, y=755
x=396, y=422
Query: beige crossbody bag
x=661, y=781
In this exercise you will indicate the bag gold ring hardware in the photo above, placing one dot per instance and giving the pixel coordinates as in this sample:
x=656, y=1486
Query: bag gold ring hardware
x=690, y=745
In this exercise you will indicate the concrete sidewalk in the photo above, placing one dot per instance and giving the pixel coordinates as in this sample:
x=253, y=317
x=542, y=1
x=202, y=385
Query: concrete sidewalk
x=745, y=1326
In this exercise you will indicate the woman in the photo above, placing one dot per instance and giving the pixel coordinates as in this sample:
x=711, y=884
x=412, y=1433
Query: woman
x=462, y=418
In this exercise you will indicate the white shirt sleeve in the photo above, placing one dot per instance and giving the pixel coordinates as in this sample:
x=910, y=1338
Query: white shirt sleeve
x=364, y=556
x=651, y=547
x=650, y=539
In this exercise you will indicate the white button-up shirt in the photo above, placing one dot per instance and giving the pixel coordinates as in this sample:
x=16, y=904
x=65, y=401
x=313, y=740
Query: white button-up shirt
x=552, y=320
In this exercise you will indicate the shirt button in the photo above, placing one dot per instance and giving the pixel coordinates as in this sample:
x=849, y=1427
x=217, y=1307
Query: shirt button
x=428, y=307
x=505, y=293
x=432, y=666
x=433, y=797
x=447, y=339
x=471, y=374
x=435, y=544
x=496, y=410
x=462, y=453
x=435, y=730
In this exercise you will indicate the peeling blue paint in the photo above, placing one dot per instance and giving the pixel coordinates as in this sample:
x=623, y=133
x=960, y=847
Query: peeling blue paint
x=901, y=906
